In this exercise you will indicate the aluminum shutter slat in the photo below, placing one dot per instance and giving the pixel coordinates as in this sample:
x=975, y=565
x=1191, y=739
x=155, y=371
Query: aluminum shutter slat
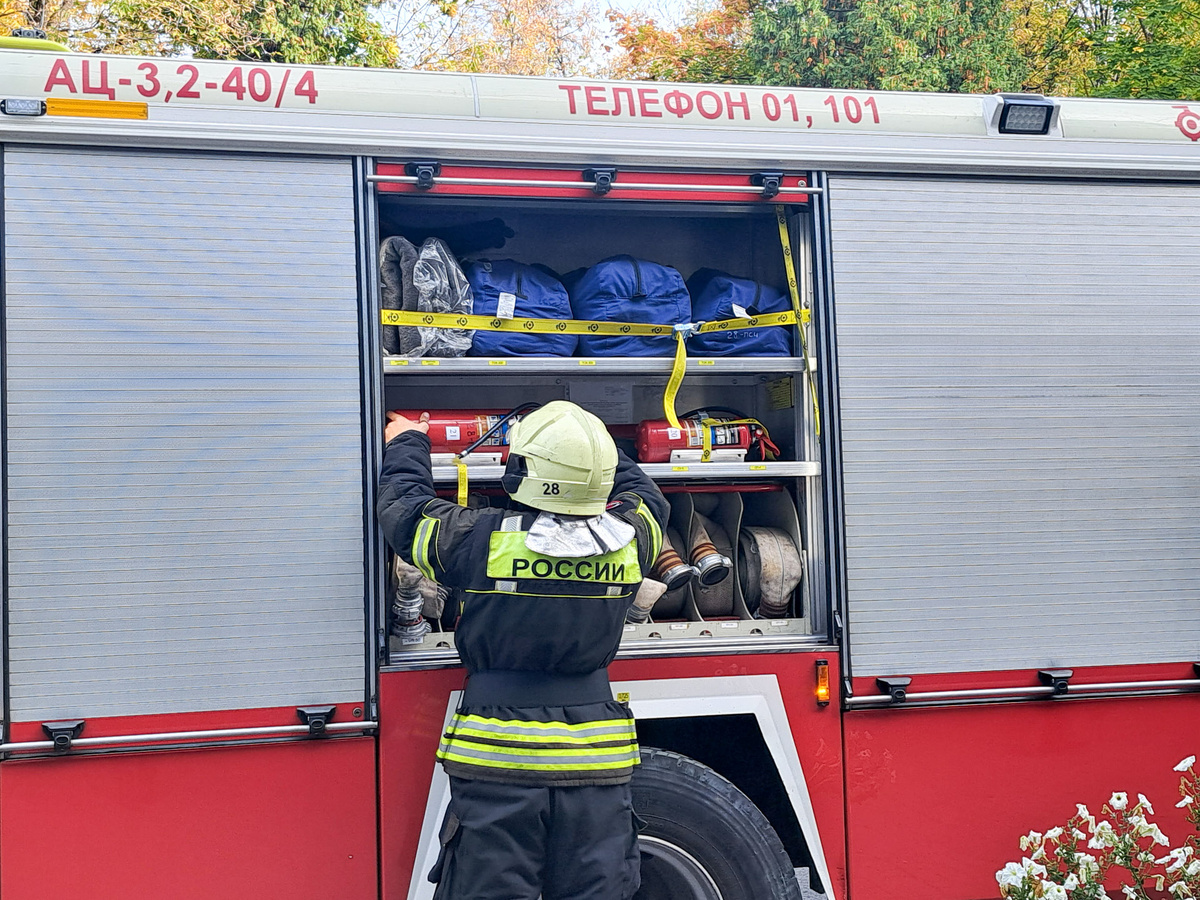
x=1018, y=366
x=185, y=500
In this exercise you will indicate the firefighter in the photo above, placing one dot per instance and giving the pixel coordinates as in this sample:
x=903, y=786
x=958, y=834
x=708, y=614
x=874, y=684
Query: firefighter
x=539, y=754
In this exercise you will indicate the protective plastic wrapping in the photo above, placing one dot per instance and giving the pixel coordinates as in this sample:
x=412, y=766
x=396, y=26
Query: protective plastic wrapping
x=424, y=280
x=441, y=287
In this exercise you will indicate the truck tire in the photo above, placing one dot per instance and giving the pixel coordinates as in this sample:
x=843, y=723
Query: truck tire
x=702, y=838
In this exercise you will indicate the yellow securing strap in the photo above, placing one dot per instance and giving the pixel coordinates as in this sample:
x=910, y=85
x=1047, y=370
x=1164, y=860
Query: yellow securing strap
x=794, y=288
x=678, y=370
x=706, y=433
x=634, y=329
x=576, y=326
x=462, y=480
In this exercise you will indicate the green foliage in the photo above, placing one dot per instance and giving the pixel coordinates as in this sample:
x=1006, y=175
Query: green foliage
x=1152, y=52
x=309, y=32
x=917, y=45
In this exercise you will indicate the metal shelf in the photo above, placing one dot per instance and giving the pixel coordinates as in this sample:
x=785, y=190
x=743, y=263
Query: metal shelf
x=608, y=365
x=732, y=471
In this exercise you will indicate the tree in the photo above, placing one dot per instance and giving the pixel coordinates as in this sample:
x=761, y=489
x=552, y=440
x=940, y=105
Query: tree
x=708, y=47
x=916, y=45
x=311, y=32
x=1057, y=40
x=1152, y=52
x=511, y=37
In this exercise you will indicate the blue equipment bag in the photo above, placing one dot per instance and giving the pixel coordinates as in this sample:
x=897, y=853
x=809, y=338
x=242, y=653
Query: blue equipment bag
x=624, y=289
x=516, y=290
x=714, y=296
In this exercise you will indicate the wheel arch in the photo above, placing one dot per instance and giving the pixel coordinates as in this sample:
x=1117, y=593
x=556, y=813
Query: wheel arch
x=739, y=728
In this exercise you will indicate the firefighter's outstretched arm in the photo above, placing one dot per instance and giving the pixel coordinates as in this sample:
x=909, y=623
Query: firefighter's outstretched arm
x=630, y=479
x=418, y=525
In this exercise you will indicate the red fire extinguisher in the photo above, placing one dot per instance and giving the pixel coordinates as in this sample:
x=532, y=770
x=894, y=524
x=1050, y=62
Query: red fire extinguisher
x=729, y=436
x=453, y=430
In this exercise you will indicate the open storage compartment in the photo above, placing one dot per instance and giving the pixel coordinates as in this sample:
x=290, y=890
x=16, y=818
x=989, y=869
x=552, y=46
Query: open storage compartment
x=749, y=504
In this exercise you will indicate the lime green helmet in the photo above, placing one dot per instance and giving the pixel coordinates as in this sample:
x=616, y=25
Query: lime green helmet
x=561, y=459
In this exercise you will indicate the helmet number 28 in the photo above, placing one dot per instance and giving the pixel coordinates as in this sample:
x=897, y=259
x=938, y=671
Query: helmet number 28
x=549, y=487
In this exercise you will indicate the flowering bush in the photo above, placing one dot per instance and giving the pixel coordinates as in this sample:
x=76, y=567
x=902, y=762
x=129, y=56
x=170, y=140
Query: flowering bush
x=1073, y=861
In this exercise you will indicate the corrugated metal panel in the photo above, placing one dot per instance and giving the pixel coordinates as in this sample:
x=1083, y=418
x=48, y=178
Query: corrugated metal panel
x=185, y=502
x=1019, y=368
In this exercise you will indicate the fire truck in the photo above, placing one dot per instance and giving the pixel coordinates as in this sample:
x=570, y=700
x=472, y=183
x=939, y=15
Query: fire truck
x=984, y=482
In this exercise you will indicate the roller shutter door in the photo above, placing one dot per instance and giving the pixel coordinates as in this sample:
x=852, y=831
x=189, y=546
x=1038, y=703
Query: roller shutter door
x=1019, y=368
x=184, y=442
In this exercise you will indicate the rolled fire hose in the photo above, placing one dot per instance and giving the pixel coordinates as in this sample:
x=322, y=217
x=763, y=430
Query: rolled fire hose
x=769, y=570
x=408, y=623
x=711, y=552
x=712, y=567
x=670, y=569
x=670, y=605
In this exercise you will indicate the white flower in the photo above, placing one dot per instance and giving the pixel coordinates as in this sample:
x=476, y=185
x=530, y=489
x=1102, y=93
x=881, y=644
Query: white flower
x=1186, y=801
x=1146, y=803
x=1088, y=867
x=1033, y=868
x=1176, y=859
x=1033, y=839
x=1130, y=892
x=1185, y=764
x=1053, y=834
x=1119, y=800
x=1193, y=868
x=1052, y=891
x=1180, y=889
x=1071, y=882
x=1082, y=811
x=1077, y=834
x=1104, y=837
x=1012, y=875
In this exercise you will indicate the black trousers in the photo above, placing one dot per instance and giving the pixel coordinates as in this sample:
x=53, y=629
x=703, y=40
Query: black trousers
x=518, y=842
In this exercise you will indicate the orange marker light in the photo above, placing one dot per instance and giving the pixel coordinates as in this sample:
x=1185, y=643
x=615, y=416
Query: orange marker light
x=822, y=682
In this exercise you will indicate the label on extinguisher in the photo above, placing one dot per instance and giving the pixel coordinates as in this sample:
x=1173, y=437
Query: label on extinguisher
x=721, y=434
x=453, y=433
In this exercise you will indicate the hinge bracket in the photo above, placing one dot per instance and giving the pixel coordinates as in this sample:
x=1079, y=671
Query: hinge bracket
x=424, y=171
x=1059, y=679
x=316, y=718
x=770, y=182
x=63, y=733
x=601, y=177
x=896, y=687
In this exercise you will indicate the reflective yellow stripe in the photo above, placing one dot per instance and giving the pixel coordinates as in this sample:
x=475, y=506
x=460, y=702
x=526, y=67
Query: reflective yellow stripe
x=523, y=723
x=559, y=753
x=543, y=767
x=624, y=736
x=421, y=544
x=653, y=527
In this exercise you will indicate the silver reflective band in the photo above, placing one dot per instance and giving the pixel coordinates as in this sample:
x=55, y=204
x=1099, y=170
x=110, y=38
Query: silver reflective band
x=11, y=107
